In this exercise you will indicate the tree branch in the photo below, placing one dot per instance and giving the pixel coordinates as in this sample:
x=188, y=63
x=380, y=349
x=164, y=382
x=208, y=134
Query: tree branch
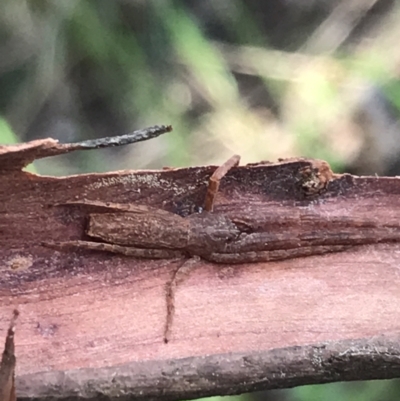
x=91, y=323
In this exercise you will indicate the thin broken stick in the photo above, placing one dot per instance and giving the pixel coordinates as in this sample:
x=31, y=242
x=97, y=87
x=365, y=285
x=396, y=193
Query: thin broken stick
x=16, y=157
x=126, y=139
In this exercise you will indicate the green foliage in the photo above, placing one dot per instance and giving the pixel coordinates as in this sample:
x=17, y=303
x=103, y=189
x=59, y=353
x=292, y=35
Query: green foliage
x=7, y=136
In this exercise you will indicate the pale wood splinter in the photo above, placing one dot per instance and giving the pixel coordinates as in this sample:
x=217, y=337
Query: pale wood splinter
x=215, y=181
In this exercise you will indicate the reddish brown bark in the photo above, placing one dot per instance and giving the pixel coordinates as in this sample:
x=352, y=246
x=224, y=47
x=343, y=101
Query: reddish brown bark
x=91, y=323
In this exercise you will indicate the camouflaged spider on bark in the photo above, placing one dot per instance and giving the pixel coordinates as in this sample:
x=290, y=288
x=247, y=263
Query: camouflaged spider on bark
x=146, y=232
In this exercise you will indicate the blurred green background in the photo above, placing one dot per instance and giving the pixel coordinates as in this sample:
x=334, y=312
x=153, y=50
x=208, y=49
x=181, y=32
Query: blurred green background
x=269, y=79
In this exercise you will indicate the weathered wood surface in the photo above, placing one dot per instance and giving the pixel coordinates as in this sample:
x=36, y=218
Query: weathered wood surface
x=91, y=323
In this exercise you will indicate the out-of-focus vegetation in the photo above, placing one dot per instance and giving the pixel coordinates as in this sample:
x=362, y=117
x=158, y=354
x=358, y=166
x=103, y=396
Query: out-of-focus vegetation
x=262, y=79
x=270, y=80
x=6, y=133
